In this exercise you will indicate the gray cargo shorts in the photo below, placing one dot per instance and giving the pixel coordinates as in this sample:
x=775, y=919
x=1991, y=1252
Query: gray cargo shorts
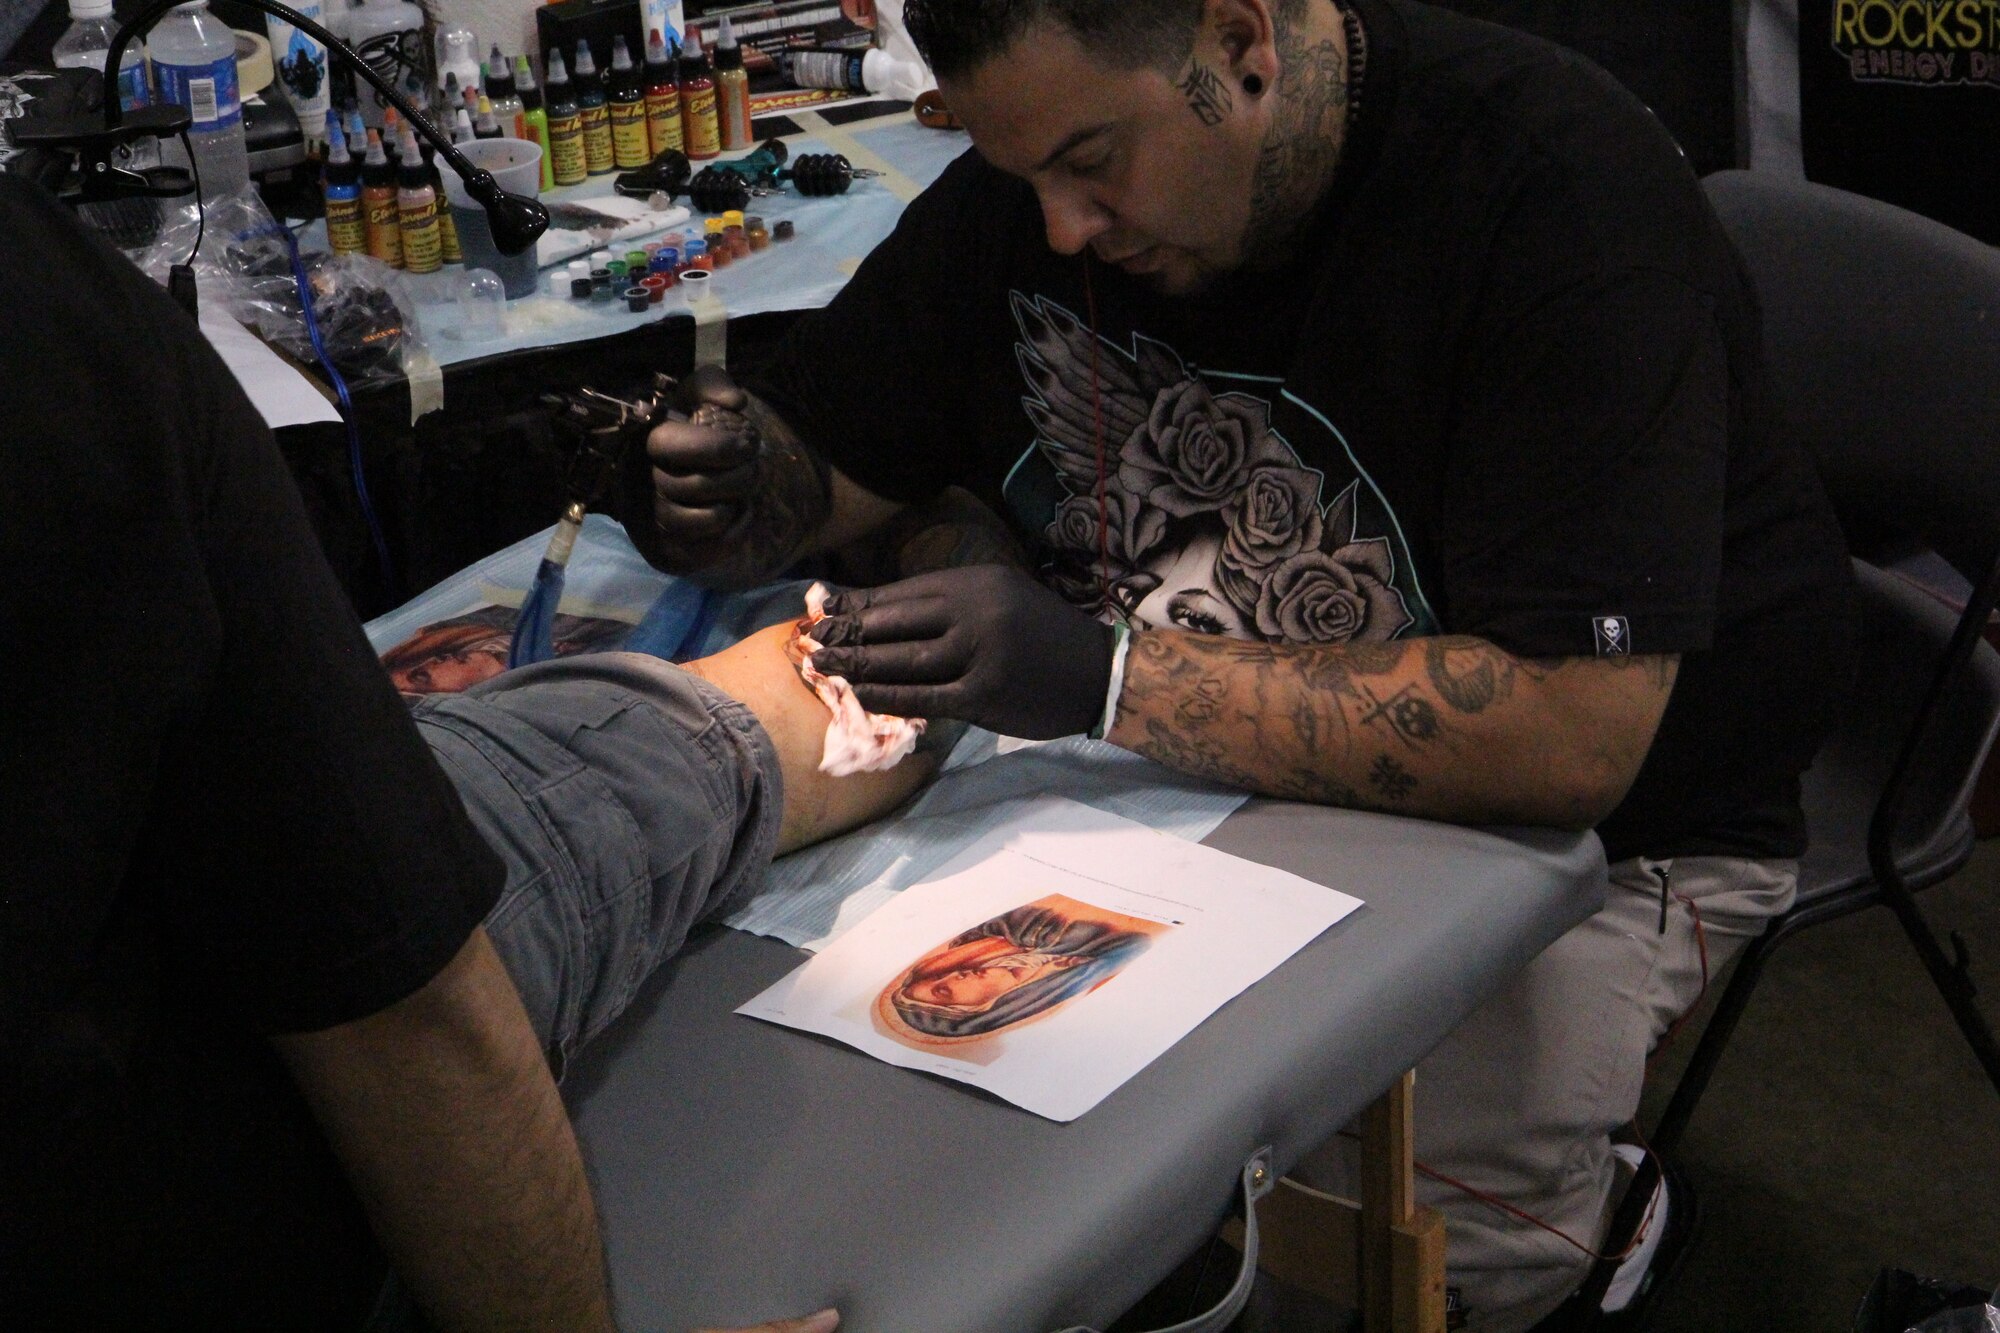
x=629, y=799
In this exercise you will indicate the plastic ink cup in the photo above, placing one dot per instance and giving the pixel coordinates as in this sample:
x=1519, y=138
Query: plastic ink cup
x=617, y=268
x=674, y=240
x=732, y=218
x=656, y=287
x=712, y=226
x=670, y=261
x=719, y=254
x=697, y=256
x=660, y=261
x=599, y=258
x=783, y=231
x=635, y=261
x=756, y=233
x=636, y=299
x=580, y=288
x=694, y=284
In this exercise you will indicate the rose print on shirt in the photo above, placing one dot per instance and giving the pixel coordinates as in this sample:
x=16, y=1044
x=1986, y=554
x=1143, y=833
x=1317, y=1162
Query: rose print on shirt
x=1205, y=517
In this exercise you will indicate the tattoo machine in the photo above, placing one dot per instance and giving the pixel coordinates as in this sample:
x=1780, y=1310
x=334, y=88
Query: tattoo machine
x=604, y=432
x=598, y=426
x=727, y=185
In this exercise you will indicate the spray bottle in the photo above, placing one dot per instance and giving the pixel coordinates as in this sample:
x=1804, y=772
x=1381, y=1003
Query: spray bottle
x=566, y=156
x=346, y=229
x=663, y=97
x=417, y=211
x=630, y=147
x=732, y=90
x=378, y=204
x=594, y=107
x=534, y=119
x=698, y=120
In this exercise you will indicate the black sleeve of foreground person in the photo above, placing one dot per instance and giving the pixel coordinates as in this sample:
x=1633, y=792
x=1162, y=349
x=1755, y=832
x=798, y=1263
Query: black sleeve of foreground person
x=220, y=818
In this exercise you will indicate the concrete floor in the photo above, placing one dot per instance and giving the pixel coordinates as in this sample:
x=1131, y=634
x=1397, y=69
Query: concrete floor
x=1848, y=1128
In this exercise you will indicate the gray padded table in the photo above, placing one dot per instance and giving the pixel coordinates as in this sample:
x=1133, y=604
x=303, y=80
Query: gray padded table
x=749, y=1172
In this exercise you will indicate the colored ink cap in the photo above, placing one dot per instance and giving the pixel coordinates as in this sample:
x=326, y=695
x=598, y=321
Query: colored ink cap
x=376, y=157
x=499, y=74
x=656, y=48
x=727, y=54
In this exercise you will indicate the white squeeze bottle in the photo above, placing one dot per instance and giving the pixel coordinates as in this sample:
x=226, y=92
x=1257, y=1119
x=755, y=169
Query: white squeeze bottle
x=88, y=42
x=389, y=36
x=194, y=64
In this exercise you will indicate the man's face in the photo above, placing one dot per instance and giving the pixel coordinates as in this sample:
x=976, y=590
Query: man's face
x=979, y=987
x=1149, y=168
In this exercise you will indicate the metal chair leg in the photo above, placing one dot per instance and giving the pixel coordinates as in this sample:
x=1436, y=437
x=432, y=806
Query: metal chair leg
x=1949, y=976
x=1707, y=1056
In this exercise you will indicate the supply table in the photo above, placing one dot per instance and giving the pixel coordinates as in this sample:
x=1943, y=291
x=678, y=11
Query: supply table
x=455, y=484
x=747, y=1172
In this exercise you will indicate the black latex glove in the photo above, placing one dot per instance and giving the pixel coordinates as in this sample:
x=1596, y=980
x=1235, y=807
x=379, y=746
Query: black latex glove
x=695, y=477
x=985, y=644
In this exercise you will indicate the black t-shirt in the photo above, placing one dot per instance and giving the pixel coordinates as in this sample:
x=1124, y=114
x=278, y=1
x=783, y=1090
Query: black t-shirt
x=1511, y=389
x=219, y=822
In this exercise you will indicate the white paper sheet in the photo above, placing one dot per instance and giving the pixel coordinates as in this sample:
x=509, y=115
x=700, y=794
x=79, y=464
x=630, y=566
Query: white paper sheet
x=281, y=395
x=1050, y=967
x=810, y=897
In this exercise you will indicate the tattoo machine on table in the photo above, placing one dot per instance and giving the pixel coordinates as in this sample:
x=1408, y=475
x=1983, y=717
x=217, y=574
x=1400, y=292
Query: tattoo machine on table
x=731, y=185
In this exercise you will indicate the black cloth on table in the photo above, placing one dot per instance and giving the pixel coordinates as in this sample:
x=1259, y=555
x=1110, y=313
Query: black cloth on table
x=218, y=817
x=1511, y=388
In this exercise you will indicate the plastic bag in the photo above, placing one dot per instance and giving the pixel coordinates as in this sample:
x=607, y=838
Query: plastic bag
x=364, y=313
x=1900, y=1302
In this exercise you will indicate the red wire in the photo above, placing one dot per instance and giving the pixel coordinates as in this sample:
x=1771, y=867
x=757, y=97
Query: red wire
x=1097, y=437
x=1701, y=944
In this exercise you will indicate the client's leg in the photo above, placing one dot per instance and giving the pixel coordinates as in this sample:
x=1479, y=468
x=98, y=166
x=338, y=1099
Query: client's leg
x=630, y=799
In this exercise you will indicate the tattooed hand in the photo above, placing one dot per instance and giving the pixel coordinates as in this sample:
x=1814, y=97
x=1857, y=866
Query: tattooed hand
x=734, y=495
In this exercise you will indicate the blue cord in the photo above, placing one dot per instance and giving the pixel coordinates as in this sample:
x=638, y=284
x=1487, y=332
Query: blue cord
x=375, y=536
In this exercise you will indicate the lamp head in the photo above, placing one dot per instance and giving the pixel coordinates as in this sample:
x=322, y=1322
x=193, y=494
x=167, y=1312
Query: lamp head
x=516, y=221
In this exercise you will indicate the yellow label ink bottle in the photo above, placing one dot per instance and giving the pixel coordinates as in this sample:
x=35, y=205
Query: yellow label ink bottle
x=595, y=109
x=567, y=162
x=698, y=120
x=630, y=146
x=663, y=98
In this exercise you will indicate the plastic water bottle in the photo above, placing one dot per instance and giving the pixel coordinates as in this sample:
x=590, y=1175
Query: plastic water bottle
x=88, y=42
x=194, y=64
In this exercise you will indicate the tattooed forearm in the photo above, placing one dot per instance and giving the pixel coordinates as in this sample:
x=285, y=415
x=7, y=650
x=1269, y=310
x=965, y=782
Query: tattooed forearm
x=1450, y=728
x=1207, y=96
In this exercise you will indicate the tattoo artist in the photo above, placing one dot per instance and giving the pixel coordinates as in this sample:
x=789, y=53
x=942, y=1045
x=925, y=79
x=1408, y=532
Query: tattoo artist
x=1380, y=400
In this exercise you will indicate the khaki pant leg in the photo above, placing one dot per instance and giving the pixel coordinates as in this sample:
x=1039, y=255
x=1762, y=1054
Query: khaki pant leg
x=1520, y=1101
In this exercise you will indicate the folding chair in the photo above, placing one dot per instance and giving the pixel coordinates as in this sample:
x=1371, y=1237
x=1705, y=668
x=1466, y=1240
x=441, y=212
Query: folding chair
x=1882, y=344
x=1882, y=339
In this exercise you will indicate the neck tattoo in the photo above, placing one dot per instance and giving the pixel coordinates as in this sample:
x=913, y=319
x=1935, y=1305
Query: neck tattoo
x=1318, y=96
